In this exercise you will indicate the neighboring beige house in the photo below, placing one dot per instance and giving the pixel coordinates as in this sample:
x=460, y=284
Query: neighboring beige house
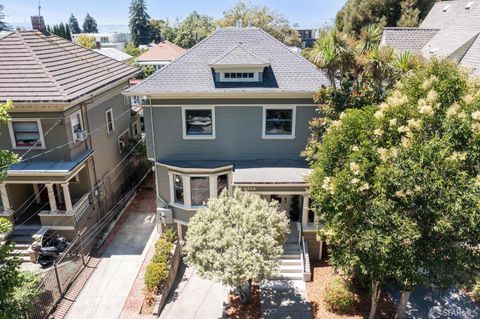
x=115, y=54
x=116, y=40
x=450, y=30
x=161, y=54
x=70, y=125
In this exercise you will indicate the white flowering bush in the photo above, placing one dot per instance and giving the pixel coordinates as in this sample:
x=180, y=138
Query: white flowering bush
x=397, y=186
x=236, y=240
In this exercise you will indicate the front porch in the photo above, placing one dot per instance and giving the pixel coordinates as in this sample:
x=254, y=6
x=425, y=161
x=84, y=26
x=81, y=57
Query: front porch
x=57, y=202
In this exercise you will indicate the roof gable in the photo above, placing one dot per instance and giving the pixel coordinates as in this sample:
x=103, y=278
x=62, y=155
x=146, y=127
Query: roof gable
x=191, y=73
x=163, y=51
x=238, y=55
x=39, y=68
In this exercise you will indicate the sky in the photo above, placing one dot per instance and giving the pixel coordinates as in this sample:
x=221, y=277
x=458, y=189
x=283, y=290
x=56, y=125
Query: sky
x=307, y=13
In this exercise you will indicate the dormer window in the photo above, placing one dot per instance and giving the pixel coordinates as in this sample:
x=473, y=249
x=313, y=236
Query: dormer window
x=239, y=64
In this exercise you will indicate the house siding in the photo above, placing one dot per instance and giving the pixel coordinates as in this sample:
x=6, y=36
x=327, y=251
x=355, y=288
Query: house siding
x=238, y=131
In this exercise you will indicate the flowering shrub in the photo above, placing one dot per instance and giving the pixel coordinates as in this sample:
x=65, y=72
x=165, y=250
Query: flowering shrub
x=339, y=296
x=397, y=185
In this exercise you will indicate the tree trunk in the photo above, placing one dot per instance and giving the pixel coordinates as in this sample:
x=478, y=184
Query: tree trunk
x=376, y=290
x=402, y=306
x=245, y=292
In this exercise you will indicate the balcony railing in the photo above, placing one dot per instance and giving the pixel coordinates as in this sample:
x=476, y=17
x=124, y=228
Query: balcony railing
x=67, y=218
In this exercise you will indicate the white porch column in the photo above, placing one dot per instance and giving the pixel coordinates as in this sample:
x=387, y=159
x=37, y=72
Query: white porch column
x=36, y=191
x=66, y=196
x=305, y=210
x=51, y=198
x=5, y=200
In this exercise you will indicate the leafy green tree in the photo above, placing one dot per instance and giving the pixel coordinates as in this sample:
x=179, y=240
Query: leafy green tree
x=62, y=30
x=87, y=41
x=262, y=17
x=89, y=24
x=132, y=50
x=73, y=25
x=355, y=14
x=193, y=29
x=3, y=25
x=139, y=23
x=68, y=34
x=236, y=240
x=6, y=157
x=396, y=185
x=162, y=30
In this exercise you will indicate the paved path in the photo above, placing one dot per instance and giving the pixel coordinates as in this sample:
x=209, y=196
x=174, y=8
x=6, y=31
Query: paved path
x=194, y=298
x=107, y=289
x=432, y=304
x=284, y=299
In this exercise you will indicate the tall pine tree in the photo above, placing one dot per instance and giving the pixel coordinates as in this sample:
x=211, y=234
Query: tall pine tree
x=89, y=24
x=3, y=26
x=139, y=23
x=73, y=25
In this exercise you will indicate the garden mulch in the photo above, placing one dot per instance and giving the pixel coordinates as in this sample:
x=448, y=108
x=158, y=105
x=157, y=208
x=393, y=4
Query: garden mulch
x=321, y=275
x=235, y=310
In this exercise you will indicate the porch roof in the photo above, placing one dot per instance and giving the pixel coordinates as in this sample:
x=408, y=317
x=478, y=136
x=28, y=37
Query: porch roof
x=49, y=167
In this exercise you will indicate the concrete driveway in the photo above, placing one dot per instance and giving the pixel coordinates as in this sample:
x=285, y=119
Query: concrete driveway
x=107, y=289
x=194, y=298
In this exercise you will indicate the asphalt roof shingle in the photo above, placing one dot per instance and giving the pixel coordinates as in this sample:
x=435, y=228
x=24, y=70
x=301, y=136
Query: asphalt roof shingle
x=191, y=73
x=238, y=55
x=408, y=39
x=39, y=68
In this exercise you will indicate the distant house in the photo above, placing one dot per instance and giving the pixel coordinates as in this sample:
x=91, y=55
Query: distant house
x=308, y=36
x=70, y=125
x=232, y=112
x=161, y=54
x=115, y=54
x=450, y=30
x=106, y=39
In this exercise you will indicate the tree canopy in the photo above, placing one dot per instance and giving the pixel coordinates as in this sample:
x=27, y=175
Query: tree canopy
x=356, y=14
x=73, y=25
x=139, y=23
x=6, y=157
x=89, y=24
x=3, y=25
x=87, y=41
x=162, y=30
x=273, y=22
x=193, y=29
x=236, y=239
x=397, y=185
x=62, y=30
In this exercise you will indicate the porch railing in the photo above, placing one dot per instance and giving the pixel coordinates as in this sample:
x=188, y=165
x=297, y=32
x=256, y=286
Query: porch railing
x=307, y=274
x=81, y=207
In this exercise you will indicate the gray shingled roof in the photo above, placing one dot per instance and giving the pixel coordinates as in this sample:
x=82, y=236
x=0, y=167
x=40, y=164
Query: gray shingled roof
x=238, y=55
x=39, y=68
x=191, y=72
x=408, y=39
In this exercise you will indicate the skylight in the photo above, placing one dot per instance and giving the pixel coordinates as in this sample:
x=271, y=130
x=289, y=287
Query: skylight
x=469, y=5
x=445, y=9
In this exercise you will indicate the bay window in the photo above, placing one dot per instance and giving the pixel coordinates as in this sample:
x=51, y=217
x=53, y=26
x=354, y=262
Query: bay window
x=178, y=189
x=222, y=183
x=200, y=190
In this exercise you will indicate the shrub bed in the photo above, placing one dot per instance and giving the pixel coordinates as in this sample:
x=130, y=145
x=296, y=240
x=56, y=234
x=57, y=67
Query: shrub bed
x=339, y=295
x=158, y=268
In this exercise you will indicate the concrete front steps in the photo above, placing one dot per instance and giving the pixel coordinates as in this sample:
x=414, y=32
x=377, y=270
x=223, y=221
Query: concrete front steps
x=22, y=236
x=290, y=263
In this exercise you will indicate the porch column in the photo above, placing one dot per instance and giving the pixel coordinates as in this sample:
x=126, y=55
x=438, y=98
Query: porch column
x=305, y=210
x=179, y=232
x=59, y=192
x=36, y=190
x=5, y=200
x=66, y=196
x=51, y=198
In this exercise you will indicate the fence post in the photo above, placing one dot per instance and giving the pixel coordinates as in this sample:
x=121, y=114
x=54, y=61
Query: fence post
x=81, y=252
x=57, y=277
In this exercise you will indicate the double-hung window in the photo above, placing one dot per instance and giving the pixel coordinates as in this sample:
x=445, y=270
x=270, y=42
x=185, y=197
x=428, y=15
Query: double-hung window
x=110, y=121
x=26, y=134
x=222, y=183
x=123, y=140
x=77, y=125
x=178, y=193
x=278, y=122
x=200, y=190
x=198, y=123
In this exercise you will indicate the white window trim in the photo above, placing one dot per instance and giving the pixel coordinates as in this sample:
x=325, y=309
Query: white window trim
x=113, y=121
x=264, y=122
x=184, y=124
x=40, y=146
x=255, y=78
x=135, y=124
x=187, y=196
x=118, y=139
x=79, y=113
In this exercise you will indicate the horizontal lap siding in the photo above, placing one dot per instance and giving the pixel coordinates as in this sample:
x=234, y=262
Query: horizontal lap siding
x=238, y=135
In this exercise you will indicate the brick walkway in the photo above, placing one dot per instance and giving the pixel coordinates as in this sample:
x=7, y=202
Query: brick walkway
x=144, y=202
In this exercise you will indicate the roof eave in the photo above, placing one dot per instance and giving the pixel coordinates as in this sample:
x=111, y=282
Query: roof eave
x=222, y=94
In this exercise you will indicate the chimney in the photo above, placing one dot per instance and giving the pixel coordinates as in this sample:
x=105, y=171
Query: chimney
x=39, y=24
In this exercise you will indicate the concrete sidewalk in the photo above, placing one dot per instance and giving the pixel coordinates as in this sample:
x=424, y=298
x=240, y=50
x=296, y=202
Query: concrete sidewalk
x=108, y=288
x=282, y=299
x=194, y=298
